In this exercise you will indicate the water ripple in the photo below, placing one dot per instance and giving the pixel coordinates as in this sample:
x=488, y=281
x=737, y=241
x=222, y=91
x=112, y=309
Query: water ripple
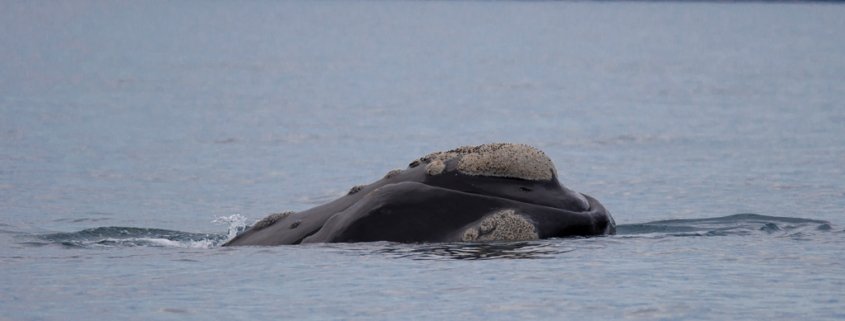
x=737, y=224
x=113, y=236
x=733, y=225
x=474, y=251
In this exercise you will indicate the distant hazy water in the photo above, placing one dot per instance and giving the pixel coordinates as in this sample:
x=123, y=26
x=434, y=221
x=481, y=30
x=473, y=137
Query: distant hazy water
x=126, y=129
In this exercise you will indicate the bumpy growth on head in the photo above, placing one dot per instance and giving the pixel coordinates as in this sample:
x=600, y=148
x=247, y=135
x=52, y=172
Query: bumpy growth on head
x=498, y=160
x=270, y=219
x=355, y=189
x=504, y=225
x=435, y=167
x=392, y=173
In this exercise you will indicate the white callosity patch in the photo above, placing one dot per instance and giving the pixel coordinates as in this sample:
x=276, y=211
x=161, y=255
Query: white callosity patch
x=442, y=156
x=499, y=160
x=435, y=167
x=504, y=225
x=508, y=160
x=270, y=219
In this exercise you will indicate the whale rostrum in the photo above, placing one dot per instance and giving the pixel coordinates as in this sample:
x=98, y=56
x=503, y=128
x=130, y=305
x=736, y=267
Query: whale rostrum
x=490, y=192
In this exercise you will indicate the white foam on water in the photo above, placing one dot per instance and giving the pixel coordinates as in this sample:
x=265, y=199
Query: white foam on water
x=152, y=242
x=193, y=244
x=236, y=222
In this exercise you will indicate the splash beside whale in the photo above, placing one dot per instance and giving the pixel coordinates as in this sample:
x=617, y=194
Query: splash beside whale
x=491, y=192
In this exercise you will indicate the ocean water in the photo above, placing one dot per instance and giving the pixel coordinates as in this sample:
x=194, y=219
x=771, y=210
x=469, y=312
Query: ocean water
x=137, y=137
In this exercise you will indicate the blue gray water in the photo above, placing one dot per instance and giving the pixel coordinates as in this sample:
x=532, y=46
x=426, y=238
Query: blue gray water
x=134, y=137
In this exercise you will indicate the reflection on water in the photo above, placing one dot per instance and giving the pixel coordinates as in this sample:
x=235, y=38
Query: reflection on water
x=115, y=236
x=731, y=225
x=737, y=224
x=475, y=251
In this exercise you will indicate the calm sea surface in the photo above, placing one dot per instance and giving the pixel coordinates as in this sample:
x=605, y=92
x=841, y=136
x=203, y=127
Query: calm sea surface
x=135, y=137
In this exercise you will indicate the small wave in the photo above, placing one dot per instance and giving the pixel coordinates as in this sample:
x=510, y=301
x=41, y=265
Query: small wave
x=732, y=225
x=237, y=225
x=737, y=224
x=115, y=236
x=119, y=236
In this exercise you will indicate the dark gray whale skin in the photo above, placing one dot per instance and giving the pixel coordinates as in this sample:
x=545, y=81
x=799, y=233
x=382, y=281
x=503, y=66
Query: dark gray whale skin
x=413, y=206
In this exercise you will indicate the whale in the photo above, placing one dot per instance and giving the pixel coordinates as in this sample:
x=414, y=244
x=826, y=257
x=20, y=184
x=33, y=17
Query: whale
x=489, y=192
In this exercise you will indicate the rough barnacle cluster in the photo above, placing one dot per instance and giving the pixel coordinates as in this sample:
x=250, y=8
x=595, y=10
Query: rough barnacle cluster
x=356, y=189
x=504, y=225
x=435, y=167
x=270, y=219
x=393, y=173
x=498, y=160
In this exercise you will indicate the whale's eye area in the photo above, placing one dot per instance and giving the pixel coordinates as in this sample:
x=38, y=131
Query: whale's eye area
x=525, y=189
